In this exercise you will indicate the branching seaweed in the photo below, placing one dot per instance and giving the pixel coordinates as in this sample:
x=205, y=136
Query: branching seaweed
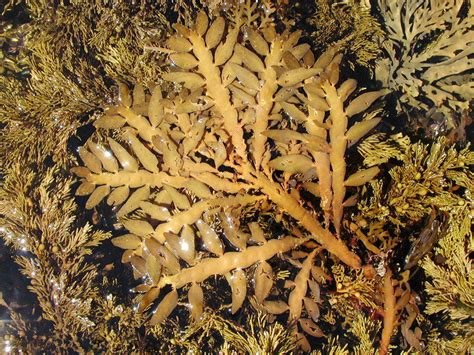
x=429, y=53
x=223, y=145
x=216, y=147
x=37, y=218
x=349, y=25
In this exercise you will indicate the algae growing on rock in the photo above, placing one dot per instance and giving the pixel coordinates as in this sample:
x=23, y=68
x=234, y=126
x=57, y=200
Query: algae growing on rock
x=255, y=196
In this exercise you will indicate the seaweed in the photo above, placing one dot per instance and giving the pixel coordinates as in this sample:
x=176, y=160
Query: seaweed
x=351, y=26
x=225, y=157
x=428, y=54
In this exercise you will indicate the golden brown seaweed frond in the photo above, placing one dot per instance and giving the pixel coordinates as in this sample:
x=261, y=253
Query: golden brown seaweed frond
x=360, y=338
x=353, y=292
x=450, y=280
x=361, y=297
x=363, y=329
x=12, y=53
x=38, y=223
x=428, y=61
x=349, y=25
x=60, y=84
x=431, y=188
x=450, y=286
x=334, y=347
x=125, y=65
x=250, y=120
x=73, y=313
x=427, y=177
x=66, y=49
x=259, y=335
x=116, y=323
x=454, y=338
x=379, y=149
x=40, y=116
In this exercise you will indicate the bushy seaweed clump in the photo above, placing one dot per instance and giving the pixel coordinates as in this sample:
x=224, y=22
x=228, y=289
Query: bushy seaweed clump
x=229, y=171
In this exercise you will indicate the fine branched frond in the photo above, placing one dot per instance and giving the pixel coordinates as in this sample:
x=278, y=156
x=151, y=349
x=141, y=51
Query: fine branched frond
x=38, y=222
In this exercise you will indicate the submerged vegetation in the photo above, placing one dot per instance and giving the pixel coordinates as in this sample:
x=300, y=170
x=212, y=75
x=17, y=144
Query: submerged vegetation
x=351, y=27
x=242, y=183
x=429, y=53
